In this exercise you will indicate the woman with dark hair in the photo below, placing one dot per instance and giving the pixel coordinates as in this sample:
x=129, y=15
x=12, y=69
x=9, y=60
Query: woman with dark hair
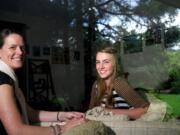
x=112, y=92
x=15, y=114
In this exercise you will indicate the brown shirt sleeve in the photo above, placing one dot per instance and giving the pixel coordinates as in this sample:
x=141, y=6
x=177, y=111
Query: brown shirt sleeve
x=128, y=93
x=93, y=98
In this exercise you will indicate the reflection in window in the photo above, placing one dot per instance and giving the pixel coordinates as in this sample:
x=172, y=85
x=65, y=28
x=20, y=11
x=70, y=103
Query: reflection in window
x=133, y=43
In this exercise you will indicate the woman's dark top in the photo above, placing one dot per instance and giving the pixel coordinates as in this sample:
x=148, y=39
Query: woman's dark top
x=4, y=79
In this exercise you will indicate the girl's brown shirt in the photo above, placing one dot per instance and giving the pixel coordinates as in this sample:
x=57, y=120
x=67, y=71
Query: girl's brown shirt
x=124, y=90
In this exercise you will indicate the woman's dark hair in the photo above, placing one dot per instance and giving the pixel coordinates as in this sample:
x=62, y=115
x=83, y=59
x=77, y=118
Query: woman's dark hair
x=3, y=34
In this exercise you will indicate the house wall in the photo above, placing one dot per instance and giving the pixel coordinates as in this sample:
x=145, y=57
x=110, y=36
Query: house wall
x=147, y=69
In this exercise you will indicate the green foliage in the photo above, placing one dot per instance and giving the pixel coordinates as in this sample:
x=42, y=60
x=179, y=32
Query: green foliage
x=173, y=66
x=60, y=102
x=173, y=102
x=173, y=59
x=172, y=34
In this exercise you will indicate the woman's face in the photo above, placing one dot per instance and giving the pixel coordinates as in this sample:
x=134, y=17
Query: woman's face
x=105, y=65
x=12, y=51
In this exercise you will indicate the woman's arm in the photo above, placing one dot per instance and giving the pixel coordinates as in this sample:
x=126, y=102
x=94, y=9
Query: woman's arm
x=14, y=125
x=49, y=116
x=41, y=116
x=11, y=118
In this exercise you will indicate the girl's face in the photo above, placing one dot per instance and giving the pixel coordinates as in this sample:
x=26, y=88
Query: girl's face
x=105, y=65
x=12, y=52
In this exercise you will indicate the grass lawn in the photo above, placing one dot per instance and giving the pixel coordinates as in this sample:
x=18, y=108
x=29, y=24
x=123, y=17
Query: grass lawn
x=173, y=100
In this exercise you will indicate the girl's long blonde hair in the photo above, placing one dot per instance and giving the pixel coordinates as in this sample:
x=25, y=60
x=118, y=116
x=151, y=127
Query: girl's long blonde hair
x=101, y=85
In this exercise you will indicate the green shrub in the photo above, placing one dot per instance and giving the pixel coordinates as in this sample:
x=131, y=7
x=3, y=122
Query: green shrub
x=173, y=65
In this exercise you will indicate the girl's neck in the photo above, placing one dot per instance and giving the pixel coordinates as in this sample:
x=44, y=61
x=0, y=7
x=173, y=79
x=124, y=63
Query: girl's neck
x=108, y=81
x=108, y=84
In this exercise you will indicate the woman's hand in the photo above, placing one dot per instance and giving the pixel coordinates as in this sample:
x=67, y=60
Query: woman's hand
x=66, y=116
